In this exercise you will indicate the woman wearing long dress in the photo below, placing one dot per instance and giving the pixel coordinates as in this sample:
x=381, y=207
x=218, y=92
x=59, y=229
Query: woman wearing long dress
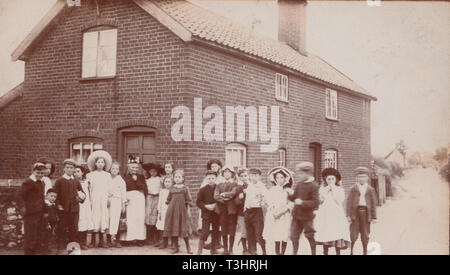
x=135, y=209
x=278, y=216
x=331, y=225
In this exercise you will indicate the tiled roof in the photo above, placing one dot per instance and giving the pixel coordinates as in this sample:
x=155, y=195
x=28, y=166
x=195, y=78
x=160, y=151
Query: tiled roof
x=9, y=96
x=207, y=25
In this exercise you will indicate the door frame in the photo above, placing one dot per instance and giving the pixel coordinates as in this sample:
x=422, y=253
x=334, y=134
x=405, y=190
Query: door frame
x=121, y=141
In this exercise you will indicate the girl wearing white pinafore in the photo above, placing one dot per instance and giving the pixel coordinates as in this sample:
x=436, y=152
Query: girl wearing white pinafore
x=117, y=197
x=99, y=189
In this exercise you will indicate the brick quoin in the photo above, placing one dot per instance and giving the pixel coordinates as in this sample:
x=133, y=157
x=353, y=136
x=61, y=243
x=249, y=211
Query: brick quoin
x=157, y=71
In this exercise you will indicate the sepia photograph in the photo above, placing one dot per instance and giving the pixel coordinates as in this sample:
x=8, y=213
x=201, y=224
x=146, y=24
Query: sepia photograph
x=224, y=127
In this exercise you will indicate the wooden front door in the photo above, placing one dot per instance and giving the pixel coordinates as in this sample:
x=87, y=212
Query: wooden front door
x=315, y=156
x=141, y=145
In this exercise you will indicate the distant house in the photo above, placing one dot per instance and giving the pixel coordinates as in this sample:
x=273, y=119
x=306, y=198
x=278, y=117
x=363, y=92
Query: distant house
x=107, y=74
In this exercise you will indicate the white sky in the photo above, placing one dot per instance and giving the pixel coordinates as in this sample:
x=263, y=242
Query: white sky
x=399, y=52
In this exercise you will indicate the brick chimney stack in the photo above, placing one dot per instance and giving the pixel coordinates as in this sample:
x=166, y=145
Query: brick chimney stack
x=292, y=24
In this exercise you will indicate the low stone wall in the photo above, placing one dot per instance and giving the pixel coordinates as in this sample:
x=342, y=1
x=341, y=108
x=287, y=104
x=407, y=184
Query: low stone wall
x=11, y=222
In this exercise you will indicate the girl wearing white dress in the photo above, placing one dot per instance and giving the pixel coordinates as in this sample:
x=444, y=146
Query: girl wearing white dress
x=99, y=163
x=278, y=216
x=331, y=225
x=117, y=197
x=153, y=182
x=162, y=209
x=85, y=224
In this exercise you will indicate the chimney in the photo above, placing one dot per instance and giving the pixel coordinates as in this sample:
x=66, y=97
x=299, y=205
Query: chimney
x=292, y=24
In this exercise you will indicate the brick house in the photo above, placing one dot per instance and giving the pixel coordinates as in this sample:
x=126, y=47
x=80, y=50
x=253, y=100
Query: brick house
x=106, y=75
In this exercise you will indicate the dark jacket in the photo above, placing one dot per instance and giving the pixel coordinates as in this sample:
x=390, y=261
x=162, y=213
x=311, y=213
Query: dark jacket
x=50, y=215
x=67, y=190
x=206, y=196
x=238, y=201
x=33, y=196
x=226, y=206
x=353, y=203
x=139, y=184
x=308, y=192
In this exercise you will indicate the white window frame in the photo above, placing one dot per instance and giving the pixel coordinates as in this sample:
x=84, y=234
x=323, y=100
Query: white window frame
x=92, y=55
x=235, y=148
x=93, y=146
x=330, y=159
x=281, y=87
x=282, y=157
x=331, y=104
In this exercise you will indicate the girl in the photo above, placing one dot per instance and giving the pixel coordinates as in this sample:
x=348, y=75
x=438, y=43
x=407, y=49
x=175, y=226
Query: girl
x=99, y=162
x=169, y=168
x=176, y=222
x=243, y=181
x=48, y=172
x=117, y=196
x=85, y=224
x=331, y=224
x=151, y=210
x=224, y=194
x=278, y=216
x=162, y=209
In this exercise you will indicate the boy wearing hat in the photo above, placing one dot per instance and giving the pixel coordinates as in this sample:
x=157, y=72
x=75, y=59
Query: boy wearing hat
x=361, y=208
x=253, y=214
x=224, y=194
x=68, y=199
x=33, y=195
x=207, y=204
x=306, y=200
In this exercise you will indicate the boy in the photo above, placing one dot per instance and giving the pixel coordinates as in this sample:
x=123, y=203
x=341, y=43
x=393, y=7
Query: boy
x=32, y=193
x=253, y=213
x=207, y=204
x=306, y=200
x=224, y=194
x=243, y=182
x=50, y=219
x=361, y=208
x=67, y=201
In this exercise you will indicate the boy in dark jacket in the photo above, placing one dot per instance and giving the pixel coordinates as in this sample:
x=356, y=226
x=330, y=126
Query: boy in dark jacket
x=33, y=195
x=361, y=208
x=207, y=204
x=49, y=220
x=306, y=200
x=68, y=199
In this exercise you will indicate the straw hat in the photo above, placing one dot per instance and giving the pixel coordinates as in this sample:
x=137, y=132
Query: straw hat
x=286, y=172
x=99, y=154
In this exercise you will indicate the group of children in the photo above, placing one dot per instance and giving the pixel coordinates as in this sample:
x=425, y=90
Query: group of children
x=95, y=207
x=237, y=202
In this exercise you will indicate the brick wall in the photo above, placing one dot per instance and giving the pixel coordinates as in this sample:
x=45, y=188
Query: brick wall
x=155, y=72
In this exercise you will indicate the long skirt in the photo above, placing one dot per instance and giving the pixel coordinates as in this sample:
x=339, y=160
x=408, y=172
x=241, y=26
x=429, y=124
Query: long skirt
x=136, y=230
x=115, y=209
x=151, y=210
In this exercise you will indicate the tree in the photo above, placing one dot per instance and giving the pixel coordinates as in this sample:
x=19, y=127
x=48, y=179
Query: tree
x=441, y=155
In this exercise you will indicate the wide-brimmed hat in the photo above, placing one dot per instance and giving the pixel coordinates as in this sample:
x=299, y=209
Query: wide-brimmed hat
x=149, y=166
x=331, y=172
x=286, y=172
x=226, y=167
x=210, y=162
x=99, y=154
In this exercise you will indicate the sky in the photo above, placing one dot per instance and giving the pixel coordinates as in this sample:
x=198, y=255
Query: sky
x=398, y=51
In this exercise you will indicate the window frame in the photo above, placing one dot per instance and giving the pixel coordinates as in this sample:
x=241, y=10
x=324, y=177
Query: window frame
x=328, y=152
x=330, y=97
x=282, y=157
x=92, y=142
x=281, y=87
x=98, y=30
x=236, y=146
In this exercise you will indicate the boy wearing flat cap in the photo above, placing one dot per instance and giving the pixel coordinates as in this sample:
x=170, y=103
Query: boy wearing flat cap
x=306, y=199
x=68, y=199
x=33, y=195
x=361, y=208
